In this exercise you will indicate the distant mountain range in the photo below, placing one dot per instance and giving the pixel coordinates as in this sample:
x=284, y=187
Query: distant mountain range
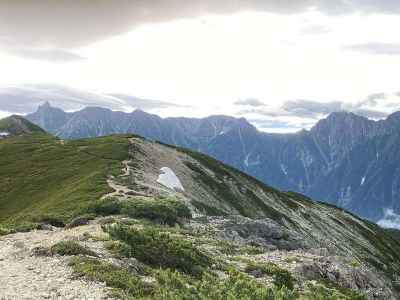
x=345, y=159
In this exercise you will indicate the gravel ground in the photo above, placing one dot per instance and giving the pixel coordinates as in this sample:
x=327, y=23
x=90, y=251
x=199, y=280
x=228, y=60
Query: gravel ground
x=26, y=276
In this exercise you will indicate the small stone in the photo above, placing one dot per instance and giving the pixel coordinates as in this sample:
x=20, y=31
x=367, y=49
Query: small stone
x=47, y=227
x=19, y=245
x=78, y=222
x=41, y=251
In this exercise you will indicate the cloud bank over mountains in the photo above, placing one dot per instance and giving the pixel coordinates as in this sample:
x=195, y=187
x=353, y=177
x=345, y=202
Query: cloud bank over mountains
x=26, y=98
x=290, y=116
x=303, y=114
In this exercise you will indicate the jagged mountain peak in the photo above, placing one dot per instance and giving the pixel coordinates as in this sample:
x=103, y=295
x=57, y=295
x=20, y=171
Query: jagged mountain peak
x=340, y=120
x=394, y=117
x=45, y=105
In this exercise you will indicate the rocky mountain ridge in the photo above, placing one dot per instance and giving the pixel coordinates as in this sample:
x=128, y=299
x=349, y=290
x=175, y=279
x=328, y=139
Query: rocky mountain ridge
x=103, y=214
x=332, y=162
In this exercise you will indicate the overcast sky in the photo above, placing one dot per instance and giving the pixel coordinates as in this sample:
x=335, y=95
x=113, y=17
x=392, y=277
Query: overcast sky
x=281, y=64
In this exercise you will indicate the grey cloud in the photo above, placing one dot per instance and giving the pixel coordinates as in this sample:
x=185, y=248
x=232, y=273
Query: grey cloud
x=373, y=99
x=26, y=99
x=51, y=55
x=376, y=48
x=275, y=123
x=298, y=108
x=299, y=114
x=249, y=102
x=272, y=113
x=66, y=24
x=307, y=108
x=371, y=114
x=315, y=29
x=314, y=109
x=146, y=104
x=264, y=124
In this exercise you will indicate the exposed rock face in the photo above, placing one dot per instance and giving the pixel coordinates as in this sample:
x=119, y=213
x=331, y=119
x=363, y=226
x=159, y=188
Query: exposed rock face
x=263, y=233
x=344, y=273
x=346, y=160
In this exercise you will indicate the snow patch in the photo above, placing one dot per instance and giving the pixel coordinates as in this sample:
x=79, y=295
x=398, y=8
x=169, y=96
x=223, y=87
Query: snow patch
x=246, y=160
x=284, y=169
x=345, y=196
x=390, y=219
x=249, y=163
x=363, y=180
x=168, y=179
x=4, y=134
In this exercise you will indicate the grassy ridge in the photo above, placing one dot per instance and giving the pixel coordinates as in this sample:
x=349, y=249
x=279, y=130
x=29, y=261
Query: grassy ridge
x=18, y=125
x=40, y=175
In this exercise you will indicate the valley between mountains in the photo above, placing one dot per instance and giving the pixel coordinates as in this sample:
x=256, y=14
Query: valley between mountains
x=96, y=219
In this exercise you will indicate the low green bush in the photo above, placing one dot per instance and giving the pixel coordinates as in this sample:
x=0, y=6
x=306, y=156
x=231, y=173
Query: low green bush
x=69, y=248
x=282, y=277
x=21, y=227
x=4, y=231
x=129, y=285
x=106, y=207
x=24, y=227
x=162, y=210
x=237, y=286
x=55, y=221
x=327, y=291
x=172, y=285
x=160, y=249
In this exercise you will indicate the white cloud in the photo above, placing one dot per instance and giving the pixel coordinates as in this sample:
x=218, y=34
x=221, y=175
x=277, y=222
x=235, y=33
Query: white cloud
x=207, y=62
x=376, y=48
x=4, y=114
x=390, y=220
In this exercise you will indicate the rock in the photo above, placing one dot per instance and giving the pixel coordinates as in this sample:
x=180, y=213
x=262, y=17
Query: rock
x=19, y=245
x=311, y=271
x=339, y=271
x=319, y=251
x=263, y=233
x=41, y=251
x=47, y=227
x=78, y=222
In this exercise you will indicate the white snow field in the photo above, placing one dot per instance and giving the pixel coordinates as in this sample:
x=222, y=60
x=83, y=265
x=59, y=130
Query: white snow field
x=168, y=179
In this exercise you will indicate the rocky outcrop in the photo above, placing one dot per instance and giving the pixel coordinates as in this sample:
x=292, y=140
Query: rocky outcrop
x=263, y=233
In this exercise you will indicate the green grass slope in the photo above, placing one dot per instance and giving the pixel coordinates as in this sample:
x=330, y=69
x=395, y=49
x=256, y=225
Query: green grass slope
x=41, y=175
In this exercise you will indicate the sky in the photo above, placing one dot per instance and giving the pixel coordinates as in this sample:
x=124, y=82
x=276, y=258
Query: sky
x=283, y=64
